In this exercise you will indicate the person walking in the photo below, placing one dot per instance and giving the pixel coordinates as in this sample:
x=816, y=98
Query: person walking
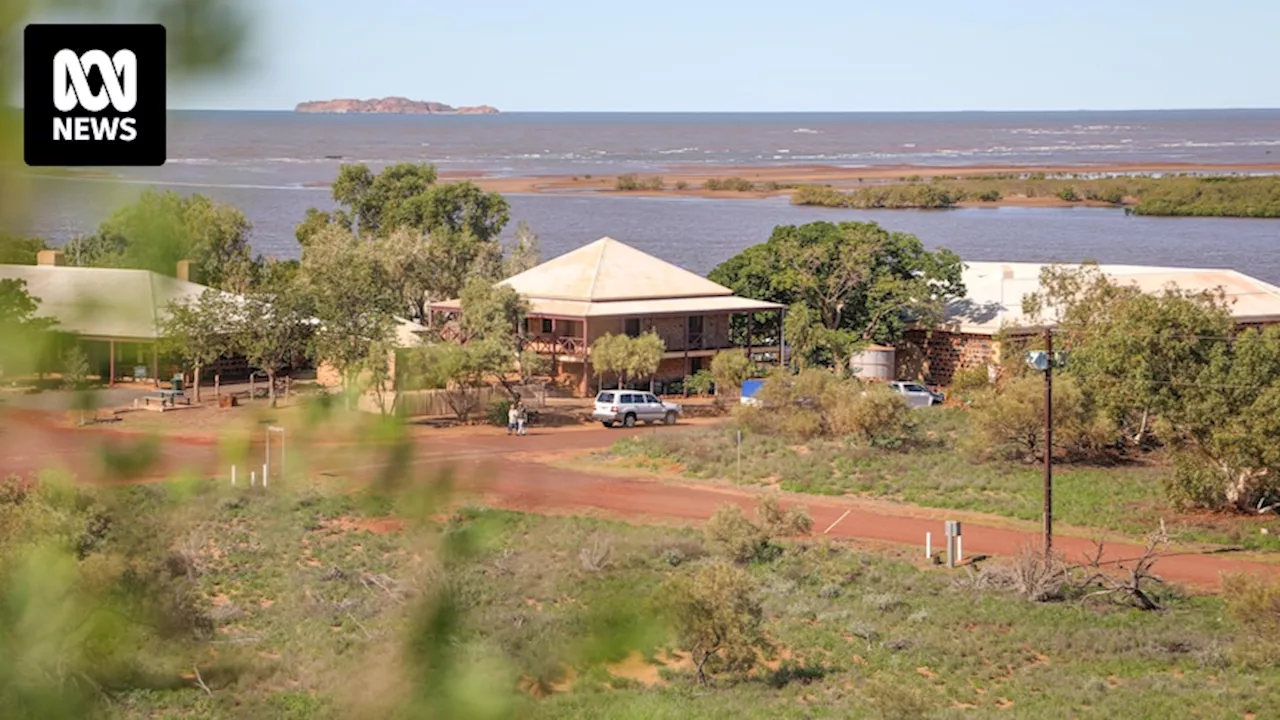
x=522, y=419
x=513, y=415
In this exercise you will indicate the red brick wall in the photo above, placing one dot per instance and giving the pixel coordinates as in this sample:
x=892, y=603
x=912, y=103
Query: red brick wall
x=938, y=355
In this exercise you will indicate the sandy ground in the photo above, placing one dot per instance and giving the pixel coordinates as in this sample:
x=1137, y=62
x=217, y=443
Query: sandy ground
x=513, y=473
x=695, y=176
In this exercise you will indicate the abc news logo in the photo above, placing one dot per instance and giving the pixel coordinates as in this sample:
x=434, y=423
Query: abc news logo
x=94, y=95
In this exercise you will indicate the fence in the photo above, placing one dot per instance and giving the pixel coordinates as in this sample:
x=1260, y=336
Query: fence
x=428, y=403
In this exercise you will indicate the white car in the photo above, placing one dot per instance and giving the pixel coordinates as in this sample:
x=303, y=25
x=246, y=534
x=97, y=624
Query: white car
x=631, y=406
x=917, y=395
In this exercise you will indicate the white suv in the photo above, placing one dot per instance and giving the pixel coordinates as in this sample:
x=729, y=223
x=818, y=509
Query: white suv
x=629, y=406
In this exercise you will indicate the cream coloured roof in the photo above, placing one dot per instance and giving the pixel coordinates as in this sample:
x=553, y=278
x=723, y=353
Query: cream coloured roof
x=609, y=270
x=608, y=278
x=994, y=292
x=102, y=302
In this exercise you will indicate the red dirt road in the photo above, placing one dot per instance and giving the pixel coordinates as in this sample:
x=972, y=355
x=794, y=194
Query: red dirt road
x=500, y=469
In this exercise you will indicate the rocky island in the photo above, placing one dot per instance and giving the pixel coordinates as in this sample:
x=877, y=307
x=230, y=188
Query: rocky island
x=391, y=105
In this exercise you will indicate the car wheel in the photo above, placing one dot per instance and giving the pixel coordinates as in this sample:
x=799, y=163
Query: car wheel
x=607, y=423
x=670, y=419
x=629, y=420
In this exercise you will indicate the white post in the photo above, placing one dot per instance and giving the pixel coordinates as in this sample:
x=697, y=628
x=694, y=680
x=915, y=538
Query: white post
x=268, y=462
x=264, y=474
x=928, y=546
x=253, y=478
x=959, y=548
x=233, y=474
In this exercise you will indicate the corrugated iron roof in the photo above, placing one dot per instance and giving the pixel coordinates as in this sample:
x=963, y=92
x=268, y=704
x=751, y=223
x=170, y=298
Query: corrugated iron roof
x=994, y=292
x=608, y=278
x=610, y=270
x=102, y=302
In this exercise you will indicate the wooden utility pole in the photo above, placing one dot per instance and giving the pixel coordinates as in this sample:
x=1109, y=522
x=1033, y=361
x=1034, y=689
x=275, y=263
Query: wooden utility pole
x=1048, y=444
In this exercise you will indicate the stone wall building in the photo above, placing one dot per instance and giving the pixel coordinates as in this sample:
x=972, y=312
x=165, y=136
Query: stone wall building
x=992, y=306
x=608, y=287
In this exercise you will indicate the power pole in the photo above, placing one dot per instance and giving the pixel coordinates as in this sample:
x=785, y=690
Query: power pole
x=1048, y=444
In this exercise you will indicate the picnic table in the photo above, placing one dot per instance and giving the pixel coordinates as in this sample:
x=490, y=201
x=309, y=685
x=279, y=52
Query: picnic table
x=168, y=397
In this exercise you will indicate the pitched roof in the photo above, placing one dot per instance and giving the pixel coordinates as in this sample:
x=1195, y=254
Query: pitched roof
x=608, y=270
x=102, y=302
x=994, y=292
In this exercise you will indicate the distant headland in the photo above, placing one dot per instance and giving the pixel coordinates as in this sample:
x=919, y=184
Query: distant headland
x=391, y=106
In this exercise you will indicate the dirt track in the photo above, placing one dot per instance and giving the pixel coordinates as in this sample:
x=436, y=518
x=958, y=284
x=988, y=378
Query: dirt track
x=500, y=469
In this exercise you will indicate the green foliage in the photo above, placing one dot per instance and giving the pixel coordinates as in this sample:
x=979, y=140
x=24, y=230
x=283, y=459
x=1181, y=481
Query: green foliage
x=1223, y=427
x=487, y=349
x=1009, y=423
x=75, y=368
x=496, y=413
x=407, y=196
x=818, y=403
x=632, y=182
x=16, y=250
x=968, y=382
x=201, y=331
x=912, y=195
x=700, y=383
x=523, y=252
x=858, y=281
x=729, y=369
x=626, y=357
x=869, y=413
x=718, y=618
x=733, y=536
x=162, y=228
x=1212, y=197
x=731, y=184
x=350, y=298
x=273, y=330
x=1254, y=603
x=1172, y=195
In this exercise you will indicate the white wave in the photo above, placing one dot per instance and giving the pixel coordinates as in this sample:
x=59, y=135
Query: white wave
x=807, y=131
x=678, y=151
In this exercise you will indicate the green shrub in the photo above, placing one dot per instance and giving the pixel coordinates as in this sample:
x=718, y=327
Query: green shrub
x=682, y=185
x=733, y=184
x=990, y=196
x=631, y=181
x=496, y=413
x=1068, y=193
x=1254, y=603
x=964, y=383
x=732, y=535
x=1009, y=424
x=870, y=413
x=700, y=383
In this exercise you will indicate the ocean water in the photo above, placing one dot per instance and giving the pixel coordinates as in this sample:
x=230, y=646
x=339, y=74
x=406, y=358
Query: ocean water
x=273, y=165
x=286, y=148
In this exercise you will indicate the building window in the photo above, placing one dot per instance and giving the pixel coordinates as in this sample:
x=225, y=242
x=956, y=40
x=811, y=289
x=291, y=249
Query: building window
x=547, y=324
x=631, y=326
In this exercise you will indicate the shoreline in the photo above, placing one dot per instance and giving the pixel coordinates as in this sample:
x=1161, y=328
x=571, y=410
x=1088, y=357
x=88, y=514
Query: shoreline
x=840, y=178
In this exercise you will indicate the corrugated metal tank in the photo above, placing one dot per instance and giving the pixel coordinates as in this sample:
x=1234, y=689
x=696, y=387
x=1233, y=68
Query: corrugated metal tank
x=876, y=362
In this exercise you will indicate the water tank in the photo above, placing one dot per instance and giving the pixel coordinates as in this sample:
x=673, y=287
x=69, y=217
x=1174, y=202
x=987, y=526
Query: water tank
x=876, y=362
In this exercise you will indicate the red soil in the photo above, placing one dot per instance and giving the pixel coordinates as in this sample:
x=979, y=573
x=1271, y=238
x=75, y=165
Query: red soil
x=498, y=468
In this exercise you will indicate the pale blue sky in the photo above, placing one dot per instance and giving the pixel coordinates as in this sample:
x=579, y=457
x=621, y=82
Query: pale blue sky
x=750, y=55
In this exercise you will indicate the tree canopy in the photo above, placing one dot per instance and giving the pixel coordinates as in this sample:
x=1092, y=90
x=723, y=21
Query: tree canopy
x=627, y=357
x=161, y=228
x=859, y=283
x=407, y=195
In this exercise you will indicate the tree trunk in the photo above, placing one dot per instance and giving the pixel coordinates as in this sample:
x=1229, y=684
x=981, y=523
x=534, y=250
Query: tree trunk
x=195, y=383
x=271, y=387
